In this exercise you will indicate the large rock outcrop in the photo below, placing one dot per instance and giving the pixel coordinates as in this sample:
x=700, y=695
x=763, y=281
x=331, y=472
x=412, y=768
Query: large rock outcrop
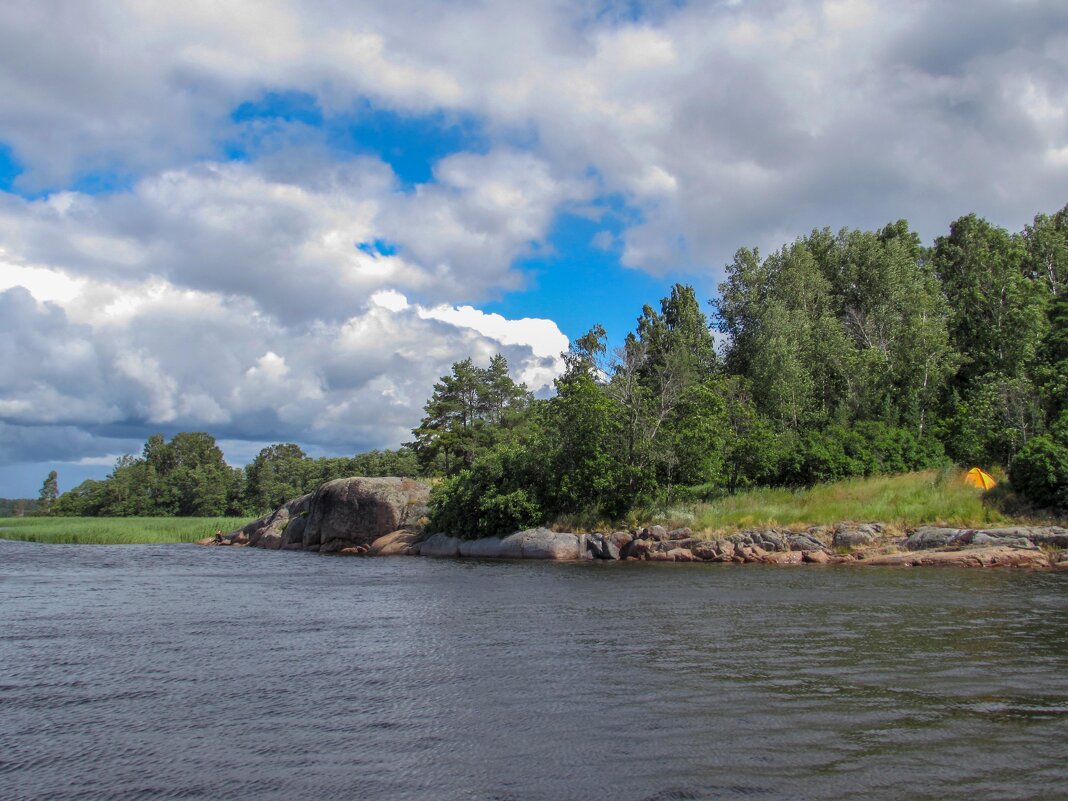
x=353, y=512
x=278, y=529
x=348, y=514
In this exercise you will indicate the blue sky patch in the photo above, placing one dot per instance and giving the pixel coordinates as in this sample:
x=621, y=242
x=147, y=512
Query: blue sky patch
x=10, y=169
x=93, y=182
x=377, y=247
x=579, y=280
x=101, y=182
x=285, y=106
x=410, y=144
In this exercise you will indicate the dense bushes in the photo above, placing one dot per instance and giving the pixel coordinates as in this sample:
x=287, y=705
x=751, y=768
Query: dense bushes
x=864, y=449
x=496, y=494
x=1040, y=471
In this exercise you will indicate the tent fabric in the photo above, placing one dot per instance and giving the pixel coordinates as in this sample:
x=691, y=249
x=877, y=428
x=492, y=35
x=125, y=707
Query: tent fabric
x=977, y=477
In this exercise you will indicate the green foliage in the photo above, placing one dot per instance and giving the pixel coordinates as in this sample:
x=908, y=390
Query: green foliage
x=277, y=474
x=49, y=492
x=992, y=419
x=467, y=414
x=587, y=456
x=1052, y=369
x=1040, y=471
x=1046, y=243
x=997, y=312
x=187, y=477
x=864, y=449
x=839, y=327
x=495, y=496
x=17, y=507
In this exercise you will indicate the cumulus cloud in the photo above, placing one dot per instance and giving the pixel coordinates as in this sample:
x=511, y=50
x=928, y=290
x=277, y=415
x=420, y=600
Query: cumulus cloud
x=293, y=247
x=301, y=292
x=170, y=362
x=725, y=123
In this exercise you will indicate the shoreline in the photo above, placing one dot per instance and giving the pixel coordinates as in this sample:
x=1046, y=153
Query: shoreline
x=387, y=517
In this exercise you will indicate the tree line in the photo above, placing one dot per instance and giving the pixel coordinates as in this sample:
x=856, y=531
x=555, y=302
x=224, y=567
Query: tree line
x=187, y=476
x=840, y=354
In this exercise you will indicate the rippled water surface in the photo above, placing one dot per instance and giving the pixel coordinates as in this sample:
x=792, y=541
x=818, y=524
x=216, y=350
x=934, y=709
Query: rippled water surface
x=142, y=672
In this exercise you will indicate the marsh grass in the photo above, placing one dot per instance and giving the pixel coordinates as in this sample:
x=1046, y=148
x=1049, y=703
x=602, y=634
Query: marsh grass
x=115, y=530
x=932, y=497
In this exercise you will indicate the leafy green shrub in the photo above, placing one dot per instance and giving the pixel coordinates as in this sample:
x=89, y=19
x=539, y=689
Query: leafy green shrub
x=865, y=449
x=1040, y=470
x=490, y=498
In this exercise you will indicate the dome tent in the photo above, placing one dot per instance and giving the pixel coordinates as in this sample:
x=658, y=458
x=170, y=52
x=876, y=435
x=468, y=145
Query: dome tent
x=978, y=477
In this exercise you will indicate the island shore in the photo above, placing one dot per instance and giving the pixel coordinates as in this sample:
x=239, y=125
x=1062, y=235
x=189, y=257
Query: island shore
x=387, y=517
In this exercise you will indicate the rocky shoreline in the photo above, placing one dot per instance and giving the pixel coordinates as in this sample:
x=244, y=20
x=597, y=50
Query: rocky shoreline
x=387, y=517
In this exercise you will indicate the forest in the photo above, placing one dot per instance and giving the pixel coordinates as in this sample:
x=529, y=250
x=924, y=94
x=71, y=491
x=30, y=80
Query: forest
x=842, y=354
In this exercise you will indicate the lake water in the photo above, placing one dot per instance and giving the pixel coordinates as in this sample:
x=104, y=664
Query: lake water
x=178, y=672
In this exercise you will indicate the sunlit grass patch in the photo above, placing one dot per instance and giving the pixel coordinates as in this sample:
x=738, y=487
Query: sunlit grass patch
x=936, y=497
x=115, y=530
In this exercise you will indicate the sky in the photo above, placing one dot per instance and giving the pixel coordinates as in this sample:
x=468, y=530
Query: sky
x=283, y=220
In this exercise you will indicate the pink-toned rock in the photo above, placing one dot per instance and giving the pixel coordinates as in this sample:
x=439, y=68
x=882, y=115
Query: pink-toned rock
x=681, y=555
x=784, y=558
x=815, y=557
x=619, y=538
x=660, y=556
x=353, y=550
x=396, y=543
x=970, y=557
x=354, y=512
x=705, y=551
x=635, y=549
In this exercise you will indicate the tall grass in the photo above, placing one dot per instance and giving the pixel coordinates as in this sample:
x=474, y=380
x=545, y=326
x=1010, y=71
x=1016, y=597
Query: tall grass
x=115, y=530
x=928, y=497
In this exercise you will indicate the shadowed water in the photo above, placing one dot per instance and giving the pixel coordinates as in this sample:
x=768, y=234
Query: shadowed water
x=144, y=672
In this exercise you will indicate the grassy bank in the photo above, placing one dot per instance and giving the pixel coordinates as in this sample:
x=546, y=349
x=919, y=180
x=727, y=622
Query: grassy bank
x=115, y=530
x=928, y=497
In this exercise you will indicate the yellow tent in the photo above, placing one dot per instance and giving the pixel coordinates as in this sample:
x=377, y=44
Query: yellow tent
x=978, y=477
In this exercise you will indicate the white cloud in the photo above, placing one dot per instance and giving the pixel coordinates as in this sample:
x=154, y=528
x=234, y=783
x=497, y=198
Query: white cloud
x=291, y=247
x=234, y=295
x=168, y=364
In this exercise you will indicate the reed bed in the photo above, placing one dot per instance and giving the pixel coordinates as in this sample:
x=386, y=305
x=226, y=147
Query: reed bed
x=115, y=530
